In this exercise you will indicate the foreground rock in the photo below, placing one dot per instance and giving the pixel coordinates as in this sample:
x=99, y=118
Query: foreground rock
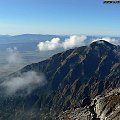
x=104, y=107
x=108, y=106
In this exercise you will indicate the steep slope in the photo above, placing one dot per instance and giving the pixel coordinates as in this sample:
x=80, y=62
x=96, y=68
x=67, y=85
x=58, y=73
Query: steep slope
x=71, y=76
x=80, y=72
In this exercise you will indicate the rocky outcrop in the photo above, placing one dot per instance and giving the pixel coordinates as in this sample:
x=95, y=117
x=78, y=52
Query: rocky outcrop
x=108, y=105
x=105, y=107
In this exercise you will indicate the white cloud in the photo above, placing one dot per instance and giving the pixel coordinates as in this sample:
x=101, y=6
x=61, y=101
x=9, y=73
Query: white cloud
x=13, y=56
x=108, y=39
x=73, y=41
x=13, y=61
x=26, y=81
x=49, y=45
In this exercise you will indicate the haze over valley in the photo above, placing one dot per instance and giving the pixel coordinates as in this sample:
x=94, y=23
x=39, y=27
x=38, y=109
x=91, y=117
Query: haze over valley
x=20, y=50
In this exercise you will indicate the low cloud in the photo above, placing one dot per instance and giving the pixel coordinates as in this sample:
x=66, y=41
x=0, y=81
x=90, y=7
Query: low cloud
x=27, y=81
x=50, y=45
x=13, y=61
x=13, y=56
x=108, y=39
x=55, y=43
x=74, y=41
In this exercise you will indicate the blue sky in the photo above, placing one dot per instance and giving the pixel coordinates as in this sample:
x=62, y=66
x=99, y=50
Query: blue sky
x=90, y=17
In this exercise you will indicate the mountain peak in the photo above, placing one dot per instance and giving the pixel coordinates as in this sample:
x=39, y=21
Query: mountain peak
x=101, y=43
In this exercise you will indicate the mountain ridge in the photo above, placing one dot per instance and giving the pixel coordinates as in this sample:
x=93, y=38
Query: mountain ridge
x=73, y=75
x=28, y=38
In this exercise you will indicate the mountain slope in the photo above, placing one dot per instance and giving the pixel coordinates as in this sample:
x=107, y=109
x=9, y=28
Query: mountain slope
x=73, y=70
x=72, y=76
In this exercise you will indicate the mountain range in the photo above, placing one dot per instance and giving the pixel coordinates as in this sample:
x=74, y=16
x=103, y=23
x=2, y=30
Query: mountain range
x=72, y=76
x=27, y=38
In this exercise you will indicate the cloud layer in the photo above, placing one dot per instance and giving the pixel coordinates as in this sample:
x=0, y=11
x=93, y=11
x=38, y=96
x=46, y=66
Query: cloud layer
x=73, y=41
x=27, y=81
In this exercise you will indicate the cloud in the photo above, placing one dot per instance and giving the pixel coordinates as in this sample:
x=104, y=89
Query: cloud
x=55, y=43
x=13, y=61
x=49, y=45
x=74, y=41
x=108, y=39
x=13, y=57
x=27, y=81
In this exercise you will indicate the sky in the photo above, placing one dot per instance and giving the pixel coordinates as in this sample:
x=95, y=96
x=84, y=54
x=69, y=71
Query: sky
x=63, y=17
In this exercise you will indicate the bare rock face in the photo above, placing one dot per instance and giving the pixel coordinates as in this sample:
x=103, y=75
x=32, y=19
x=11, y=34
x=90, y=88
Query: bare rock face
x=108, y=106
x=75, y=114
x=87, y=112
x=104, y=107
